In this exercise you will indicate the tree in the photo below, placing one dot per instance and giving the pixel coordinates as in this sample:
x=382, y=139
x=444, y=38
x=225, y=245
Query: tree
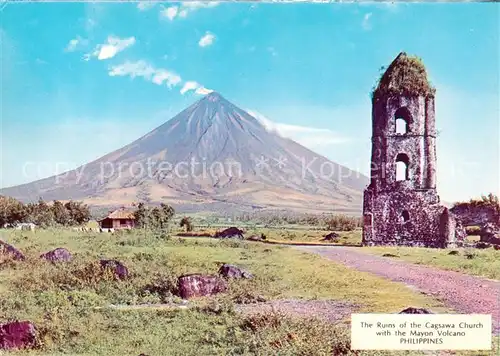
x=168, y=212
x=41, y=214
x=141, y=216
x=79, y=213
x=155, y=218
x=61, y=214
x=12, y=211
x=187, y=223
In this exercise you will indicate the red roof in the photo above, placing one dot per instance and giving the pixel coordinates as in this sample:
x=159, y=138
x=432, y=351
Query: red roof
x=121, y=214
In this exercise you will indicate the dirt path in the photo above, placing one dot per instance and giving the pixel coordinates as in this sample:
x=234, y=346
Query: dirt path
x=464, y=293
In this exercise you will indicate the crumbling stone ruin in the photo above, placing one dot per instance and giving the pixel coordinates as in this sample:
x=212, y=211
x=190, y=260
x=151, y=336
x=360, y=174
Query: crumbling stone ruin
x=401, y=205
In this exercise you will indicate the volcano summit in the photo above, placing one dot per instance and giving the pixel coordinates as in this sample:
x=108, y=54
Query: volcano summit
x=212, y=155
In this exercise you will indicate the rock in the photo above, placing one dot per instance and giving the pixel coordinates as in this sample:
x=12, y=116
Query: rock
x=230, y=232
x=254, y=238
x=232, y=271
x=249, y=298
x=490, y=233
x=26, y=226
x=6, y=249
x=482, y=245
x=119, y=270
x=17, y=335
x=332, y=236
x=412, y=310
x=199, y=285
x=453, y=253
x=59, y=254
x=390, y=255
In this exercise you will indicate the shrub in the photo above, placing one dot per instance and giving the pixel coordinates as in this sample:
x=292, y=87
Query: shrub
x=342, y=223
x=473, y=230
x=186, y=223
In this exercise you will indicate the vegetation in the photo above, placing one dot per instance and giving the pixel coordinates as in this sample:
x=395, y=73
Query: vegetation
x=187, y=223
x=347, y=238
x=69, y=301
x=156, y=218
x=484, y=262
x=491, y=200
x=42, y=214
x=406, y=75
x=319, y=221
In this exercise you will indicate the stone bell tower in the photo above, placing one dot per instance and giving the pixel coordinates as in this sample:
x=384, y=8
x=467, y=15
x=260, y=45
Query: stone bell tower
x=401, y=205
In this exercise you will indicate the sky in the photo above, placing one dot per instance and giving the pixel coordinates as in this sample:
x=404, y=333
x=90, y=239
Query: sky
x=80, y=80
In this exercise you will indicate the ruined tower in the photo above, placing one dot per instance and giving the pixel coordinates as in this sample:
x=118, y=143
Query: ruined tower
x=401, y=205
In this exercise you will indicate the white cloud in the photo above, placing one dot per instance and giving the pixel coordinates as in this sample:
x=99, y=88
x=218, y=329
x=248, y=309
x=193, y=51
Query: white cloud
x=158, y=76
x=206, y=40
x=110, y=49
x=308, y=136
x=189, y=86
x=198, y=88
x=185, y=8
x=194, y=5
x=76, y=43
x=366, y=24
x=170, y=12
x=145, y=5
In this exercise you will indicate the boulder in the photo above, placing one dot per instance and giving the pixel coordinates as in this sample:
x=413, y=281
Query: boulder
x=412, y=310
x=230, y=232
x=232, y=271
x=254, y=238
x=490, y=233
x=332, y=236
x=199, y=285
x=119, y=270
x=482, y=245
x=6, y=249
x=17, y=335
x=59, y=254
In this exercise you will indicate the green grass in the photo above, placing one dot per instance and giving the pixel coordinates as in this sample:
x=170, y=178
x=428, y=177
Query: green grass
x=68, y=302
x=348, y=238
x=484, y=263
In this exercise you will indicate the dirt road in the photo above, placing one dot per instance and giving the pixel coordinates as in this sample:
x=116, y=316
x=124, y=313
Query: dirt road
x=465, y=294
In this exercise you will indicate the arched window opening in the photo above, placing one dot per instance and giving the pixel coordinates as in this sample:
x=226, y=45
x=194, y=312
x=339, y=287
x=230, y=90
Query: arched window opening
x=405, y=216
x=403, y=120
x=402, y=171
x=401, y=126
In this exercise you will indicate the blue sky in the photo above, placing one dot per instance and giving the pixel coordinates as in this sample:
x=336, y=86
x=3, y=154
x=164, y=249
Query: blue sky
x=80, y=80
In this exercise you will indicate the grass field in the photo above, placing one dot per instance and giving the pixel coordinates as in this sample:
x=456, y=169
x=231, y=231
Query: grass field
x=477, y=262
x=62, y=299
x=484, y=263
x=68, y=303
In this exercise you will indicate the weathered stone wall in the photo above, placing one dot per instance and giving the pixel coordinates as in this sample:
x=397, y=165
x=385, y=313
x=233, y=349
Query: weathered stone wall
x=406, y=212
x=476, y=215
x=408, y=218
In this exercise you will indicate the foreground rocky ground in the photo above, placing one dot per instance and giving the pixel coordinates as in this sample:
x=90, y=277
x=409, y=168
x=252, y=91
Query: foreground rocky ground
x=464, y=293
x=101, y=294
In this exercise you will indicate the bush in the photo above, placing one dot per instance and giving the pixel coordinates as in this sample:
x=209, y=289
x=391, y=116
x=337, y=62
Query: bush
x=342, y=223
x=186, y=223
x=473, y=230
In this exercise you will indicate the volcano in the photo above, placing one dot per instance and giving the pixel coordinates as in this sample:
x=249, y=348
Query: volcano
x=211, y=156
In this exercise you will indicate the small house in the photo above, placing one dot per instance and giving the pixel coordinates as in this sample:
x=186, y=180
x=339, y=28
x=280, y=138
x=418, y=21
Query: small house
x=119, y=219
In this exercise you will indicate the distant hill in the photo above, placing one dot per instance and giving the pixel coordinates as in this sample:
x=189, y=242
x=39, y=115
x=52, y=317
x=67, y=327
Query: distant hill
x=211, y=156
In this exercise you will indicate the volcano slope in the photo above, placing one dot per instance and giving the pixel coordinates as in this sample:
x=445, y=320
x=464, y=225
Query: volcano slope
x=211, y=156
